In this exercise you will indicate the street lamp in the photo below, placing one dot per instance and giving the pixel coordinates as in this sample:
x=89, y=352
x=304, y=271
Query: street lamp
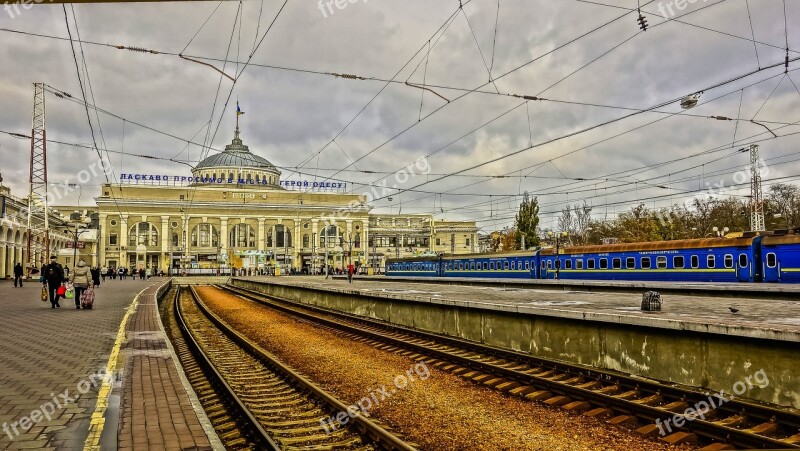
x=80, y=221
x=557, y=237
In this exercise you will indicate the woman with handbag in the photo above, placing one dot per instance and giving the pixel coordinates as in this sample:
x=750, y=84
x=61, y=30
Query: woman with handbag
x=81, y=280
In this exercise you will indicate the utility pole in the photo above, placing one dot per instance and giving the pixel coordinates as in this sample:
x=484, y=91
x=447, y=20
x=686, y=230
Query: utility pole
x=756, y=193
x=37, y=193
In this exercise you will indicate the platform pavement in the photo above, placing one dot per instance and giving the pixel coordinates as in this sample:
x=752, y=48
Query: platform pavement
x=47, y=353
x=756, y=318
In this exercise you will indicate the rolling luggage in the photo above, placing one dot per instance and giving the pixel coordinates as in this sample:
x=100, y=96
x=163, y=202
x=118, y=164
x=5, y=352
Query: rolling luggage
x=87, y=299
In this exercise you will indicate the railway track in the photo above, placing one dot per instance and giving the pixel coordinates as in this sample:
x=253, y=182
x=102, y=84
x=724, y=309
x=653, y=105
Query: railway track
x=642, y=404
x=276, y=407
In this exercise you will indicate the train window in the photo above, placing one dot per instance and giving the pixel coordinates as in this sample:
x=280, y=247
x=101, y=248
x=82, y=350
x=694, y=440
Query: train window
x=527, y=265
x=772, y=261
x=616, y=263
x=549, y=264
x=678, y=262
x=568, y=264
x=505, y=265
x=603, y=263
x=743, y=260
x=543, y=264
x=661, y=262
x=579, y=264
x=513, y=265
x=485, y=266
x=645, y=262
x=695, y=261
x=472, y=265
x=728, y=261
x=630, y=263
x=711, y=262
x=590, y=263
x=460, y=265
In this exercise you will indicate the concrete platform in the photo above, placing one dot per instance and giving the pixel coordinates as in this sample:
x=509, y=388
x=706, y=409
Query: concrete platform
x=730, y=290
x=695, y=340
x=103, y=378
x=770, y=319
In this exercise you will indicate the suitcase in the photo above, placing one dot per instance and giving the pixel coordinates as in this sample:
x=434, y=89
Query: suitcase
x=87, y=299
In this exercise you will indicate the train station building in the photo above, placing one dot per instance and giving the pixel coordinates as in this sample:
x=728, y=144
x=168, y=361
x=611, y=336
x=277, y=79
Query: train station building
x=236, y=210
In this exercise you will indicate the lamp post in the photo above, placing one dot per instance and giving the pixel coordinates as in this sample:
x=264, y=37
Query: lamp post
x=557, y=237
x=313, y=254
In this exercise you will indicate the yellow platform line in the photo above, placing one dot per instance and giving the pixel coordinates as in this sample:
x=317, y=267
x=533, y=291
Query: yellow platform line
x=98, y=420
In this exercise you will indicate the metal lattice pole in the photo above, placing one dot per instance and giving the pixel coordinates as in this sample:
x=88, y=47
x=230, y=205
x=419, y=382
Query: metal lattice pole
x=38, y=218
x=756, y=193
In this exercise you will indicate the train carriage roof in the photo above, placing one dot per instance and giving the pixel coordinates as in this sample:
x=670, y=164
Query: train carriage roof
x=792, y=238
x=703, y=243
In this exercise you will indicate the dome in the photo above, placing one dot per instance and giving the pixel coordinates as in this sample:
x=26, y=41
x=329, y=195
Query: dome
x=236, y=155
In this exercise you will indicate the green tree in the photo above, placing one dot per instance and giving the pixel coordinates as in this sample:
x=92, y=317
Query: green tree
x=527, y=222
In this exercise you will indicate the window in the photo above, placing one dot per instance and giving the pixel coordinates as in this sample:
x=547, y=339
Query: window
x=549, y=264
x=242, y=235
x=113, y=222
x=603, y=263
x=205, y=235
x=743, y=260
x=728, y=261
x=472, y=265
x=438, y=241
x=112, y=239
x=329, y=236
x=460, y=265
x=467, y=243
x=175, y=239
x=630, y=263
x=711, y=262
x=678, y=262
x=513, y=266
x=305, y=240
x=695, y=261
x=616, y=263
x=144, y=233
x=491, y=266
x=579, y=264
x=505, y=265
x=568, y=264
x=772, y=261
x=590, y=263
x=485, y=266
x=558, y=263
x=645, y=262
x=661, y=262
x=527, y=265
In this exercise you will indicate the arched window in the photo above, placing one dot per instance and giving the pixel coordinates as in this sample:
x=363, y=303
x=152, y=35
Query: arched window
x=242, y=235
x=175, y=239
x=305, y=240
x=283, y=237
x=357, y=239
x=205, y=235
x=144, y=233
x=330, y=237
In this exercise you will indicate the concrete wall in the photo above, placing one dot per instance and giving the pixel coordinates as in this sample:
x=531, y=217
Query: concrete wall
x=701, y=360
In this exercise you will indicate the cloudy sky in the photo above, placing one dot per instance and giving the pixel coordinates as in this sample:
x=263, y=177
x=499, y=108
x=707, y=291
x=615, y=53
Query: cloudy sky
x=589, y=61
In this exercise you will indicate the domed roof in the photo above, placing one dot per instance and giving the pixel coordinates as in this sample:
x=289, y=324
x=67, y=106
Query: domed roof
x=236, y=154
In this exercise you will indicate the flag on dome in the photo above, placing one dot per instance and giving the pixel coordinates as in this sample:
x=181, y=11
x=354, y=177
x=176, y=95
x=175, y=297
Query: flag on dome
x=239, y=111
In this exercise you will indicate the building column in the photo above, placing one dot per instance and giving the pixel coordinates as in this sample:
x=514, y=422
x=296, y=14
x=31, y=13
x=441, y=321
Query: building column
x=223, y=236
x=165, y=238
x=365, y=249
x=102, y=240
x=297, y=240
x=3, y=247
x=349, y=243
x=274, y=233
x=314, y=244
x=123, y=242
x=262, y=235
x=186, y=241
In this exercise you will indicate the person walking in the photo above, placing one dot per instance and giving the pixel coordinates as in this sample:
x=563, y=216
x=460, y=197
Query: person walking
x=148, y=273
x=103, y=272
x=81, y=280
x=350, y=270
x=18, y=271
x=141, y=273
x=96, y=273
x=53, y=277
x=121, y=273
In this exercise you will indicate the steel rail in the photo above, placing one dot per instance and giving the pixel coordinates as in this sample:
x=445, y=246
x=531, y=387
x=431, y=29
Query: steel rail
x=626, y=383
x=248, y=423
x=367, y=427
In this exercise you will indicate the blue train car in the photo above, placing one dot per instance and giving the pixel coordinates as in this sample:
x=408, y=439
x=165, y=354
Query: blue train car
x=780, y=261
x=699, y=260
x=422, y=266
x=506, y=265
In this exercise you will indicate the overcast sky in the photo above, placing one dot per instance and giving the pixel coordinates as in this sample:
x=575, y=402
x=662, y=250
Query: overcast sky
x=291, y=115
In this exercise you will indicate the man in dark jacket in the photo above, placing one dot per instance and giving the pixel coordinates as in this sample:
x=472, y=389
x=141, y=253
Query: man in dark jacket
x=53, y=274
x=18, y=271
